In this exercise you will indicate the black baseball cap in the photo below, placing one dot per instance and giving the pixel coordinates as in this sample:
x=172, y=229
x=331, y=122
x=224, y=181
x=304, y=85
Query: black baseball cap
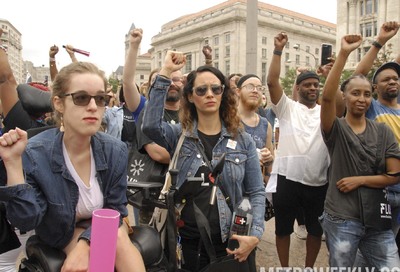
x=306, y=75
x=388, y=65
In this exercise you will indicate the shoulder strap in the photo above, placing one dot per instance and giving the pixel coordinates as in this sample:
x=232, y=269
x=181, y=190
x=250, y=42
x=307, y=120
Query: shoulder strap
x=177, y=150
x=378, y=150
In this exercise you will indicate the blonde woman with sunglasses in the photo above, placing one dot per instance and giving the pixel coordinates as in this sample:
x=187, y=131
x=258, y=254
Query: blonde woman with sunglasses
x=62, y=175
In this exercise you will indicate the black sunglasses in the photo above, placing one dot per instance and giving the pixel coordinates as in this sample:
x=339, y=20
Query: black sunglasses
x=202, y=90
x=82, y=98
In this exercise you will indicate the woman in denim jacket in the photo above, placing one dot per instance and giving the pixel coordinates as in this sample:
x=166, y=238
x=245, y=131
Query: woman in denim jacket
x=209, y=117
x=66, y=173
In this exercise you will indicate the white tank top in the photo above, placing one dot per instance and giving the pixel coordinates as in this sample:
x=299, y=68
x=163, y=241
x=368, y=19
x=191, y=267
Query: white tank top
x=90, y=197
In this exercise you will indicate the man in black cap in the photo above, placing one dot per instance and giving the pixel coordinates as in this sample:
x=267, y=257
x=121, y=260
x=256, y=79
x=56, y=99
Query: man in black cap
x=302, y=159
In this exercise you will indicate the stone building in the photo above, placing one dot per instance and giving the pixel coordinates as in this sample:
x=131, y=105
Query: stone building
x=11, y=39
x=365, y=17
x=223, y=27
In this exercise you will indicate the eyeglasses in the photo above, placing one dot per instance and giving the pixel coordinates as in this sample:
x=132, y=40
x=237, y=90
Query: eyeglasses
x=82, y=98
x=176, y=79
x=251, y=87
x=202, y=90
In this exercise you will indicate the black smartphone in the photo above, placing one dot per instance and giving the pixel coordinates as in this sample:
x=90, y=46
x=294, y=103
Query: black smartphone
x=326, y=53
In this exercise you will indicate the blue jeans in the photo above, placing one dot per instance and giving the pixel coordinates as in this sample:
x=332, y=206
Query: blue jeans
x=344, y=237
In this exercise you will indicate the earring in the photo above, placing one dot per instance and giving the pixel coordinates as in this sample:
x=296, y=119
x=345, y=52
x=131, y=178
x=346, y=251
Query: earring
x=61, y=124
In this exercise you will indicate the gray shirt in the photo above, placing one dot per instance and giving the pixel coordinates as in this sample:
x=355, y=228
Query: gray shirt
x=354, y=155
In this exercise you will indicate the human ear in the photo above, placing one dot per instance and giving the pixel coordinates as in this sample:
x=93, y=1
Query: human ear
x=58, y=104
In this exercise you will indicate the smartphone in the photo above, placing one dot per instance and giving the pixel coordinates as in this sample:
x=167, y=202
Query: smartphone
x=326, y=53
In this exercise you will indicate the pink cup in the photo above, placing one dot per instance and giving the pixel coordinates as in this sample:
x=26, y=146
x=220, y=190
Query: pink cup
x=103, y=240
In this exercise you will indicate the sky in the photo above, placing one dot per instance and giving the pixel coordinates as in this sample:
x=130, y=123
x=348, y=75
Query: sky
x=100, y=26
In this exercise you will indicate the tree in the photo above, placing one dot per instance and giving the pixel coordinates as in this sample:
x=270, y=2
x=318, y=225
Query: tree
x=288, y=81
x=383, y=57
x=114, y=83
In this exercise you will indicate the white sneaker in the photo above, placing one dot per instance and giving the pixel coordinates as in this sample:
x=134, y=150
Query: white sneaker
x=301, y=232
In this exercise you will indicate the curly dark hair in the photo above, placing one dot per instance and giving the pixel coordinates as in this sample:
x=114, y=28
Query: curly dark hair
x=227, y=111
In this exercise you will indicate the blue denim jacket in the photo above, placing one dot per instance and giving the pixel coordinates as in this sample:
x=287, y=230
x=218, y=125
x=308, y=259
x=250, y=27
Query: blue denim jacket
x=47, y=200
x=241, y=172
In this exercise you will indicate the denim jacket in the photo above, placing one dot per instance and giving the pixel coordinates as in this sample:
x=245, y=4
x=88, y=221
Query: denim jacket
x=47, y=200
x=241, y=172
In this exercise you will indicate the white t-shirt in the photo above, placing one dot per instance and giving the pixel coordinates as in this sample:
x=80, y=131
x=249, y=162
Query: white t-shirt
x=90, y=197
x=302, y=155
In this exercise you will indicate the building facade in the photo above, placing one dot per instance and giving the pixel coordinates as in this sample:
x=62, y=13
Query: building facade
x=223, y=27
x=11, y=39
x=365, y=17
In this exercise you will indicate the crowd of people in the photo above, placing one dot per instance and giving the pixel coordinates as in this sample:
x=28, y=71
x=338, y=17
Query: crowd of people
x=66, y=153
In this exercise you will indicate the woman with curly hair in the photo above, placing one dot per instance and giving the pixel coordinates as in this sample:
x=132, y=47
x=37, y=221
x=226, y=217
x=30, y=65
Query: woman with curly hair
x=211, y=126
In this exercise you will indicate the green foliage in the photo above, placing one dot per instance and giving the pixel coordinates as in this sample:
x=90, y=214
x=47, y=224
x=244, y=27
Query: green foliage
x=114, y=83
x=288, y=81
x=383, y=57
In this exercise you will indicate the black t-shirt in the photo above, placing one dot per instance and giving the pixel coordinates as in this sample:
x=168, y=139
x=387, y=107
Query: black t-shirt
x=202, y=197
x=171, y=116
x=128, y=127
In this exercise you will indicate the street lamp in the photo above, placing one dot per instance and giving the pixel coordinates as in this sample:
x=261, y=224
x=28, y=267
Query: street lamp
x=297, y=47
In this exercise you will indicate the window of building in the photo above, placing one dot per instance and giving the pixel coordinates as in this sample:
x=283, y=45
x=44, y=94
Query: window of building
x=287, y=45
x=368, y=30
x=264, y=40
x=368, y=7
x=316, y=50
x=188, y=65
x=159, y=56
x=216, y=64
x=216, y=41
x=216, y=53
x=297, y=59
x=287, y=56
x=264, y=53
x=361, y=8
x=308, y=49
x=287, y=68
x=307, y=61
x=227, y=67
x=141, y=76
x=263, y=73
x=227, y=51
x=206, y=42
x=227, y=38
